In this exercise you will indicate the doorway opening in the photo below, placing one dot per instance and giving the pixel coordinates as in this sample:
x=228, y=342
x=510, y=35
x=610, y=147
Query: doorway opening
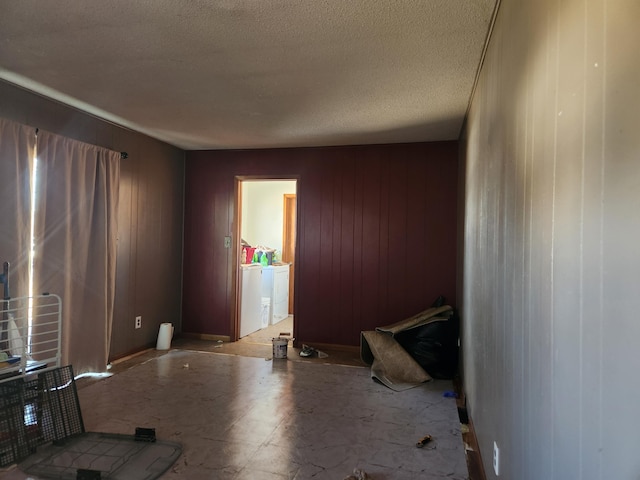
x=266, y=259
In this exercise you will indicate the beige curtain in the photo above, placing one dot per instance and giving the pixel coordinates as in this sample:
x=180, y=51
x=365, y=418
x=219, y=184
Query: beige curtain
x=76, y=234
x=17, y=143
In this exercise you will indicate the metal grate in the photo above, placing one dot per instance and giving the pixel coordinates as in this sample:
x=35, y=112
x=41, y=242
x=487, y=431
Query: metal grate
x=41, y=428
x=35, y=410
x=61, y=405
x=102, y=455
x=14, y=442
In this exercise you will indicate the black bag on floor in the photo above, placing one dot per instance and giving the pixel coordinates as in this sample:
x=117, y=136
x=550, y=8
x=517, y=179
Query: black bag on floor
x=434, y=346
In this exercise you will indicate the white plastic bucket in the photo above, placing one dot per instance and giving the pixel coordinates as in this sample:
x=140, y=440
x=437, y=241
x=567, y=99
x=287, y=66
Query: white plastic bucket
x=280, y=345
x=164, y=336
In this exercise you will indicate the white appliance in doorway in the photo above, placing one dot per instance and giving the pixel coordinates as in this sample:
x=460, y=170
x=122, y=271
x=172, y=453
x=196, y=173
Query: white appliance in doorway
x=275, y=286
x=250, y=299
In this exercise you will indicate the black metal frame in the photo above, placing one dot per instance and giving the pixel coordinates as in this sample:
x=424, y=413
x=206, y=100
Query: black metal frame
x=37, y=410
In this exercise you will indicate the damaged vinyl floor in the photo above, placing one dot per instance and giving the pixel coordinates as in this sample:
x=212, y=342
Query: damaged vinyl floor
x=250, y=418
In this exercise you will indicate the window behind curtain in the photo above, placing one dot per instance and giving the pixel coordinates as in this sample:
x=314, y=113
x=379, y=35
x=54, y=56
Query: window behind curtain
x=17, y=149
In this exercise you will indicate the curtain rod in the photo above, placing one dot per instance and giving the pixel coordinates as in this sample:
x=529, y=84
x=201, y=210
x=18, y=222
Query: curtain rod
x=123, y=155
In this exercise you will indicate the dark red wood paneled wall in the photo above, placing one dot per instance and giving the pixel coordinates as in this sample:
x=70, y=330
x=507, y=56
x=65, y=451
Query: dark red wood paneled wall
x=376, y=234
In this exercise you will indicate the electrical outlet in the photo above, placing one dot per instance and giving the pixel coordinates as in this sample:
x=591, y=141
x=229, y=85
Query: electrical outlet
x=227, y=242
x=139, y=322
x=496, y=459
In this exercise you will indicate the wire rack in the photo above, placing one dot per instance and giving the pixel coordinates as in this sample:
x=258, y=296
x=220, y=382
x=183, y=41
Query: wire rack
x=37, y=410
x=30, y=334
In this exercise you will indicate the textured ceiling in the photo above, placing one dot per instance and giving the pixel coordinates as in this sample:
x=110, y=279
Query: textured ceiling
x=219, y=74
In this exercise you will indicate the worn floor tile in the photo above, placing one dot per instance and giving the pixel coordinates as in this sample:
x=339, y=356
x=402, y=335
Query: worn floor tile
x=250, y=418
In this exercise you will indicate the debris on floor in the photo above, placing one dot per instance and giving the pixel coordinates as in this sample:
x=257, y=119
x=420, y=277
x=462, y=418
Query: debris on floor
x=308, y=351
x=423, y=441
x=358, y=475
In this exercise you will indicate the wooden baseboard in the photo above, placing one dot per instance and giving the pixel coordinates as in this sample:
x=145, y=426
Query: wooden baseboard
x=129, y=356
x=335, y=347
x=472, y=451
x=474, y=459
x=206, y=336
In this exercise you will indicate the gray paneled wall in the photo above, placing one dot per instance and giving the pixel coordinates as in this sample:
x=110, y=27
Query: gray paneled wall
x=552, y=242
